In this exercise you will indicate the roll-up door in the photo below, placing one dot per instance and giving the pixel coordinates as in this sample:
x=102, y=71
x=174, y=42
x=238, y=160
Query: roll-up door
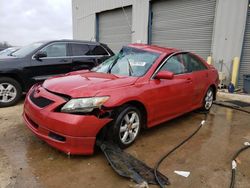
x=245, y=58
x=183, y=24
x=114, y=27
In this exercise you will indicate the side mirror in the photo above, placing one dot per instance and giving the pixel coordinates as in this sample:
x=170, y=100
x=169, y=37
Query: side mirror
x=164, y=75
x=40, y=54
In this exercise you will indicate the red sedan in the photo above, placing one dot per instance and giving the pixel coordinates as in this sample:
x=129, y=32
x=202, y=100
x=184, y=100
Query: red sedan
x=140, y=87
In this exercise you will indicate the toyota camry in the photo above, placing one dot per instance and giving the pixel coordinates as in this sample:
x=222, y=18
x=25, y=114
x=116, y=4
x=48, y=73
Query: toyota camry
x=140, y=87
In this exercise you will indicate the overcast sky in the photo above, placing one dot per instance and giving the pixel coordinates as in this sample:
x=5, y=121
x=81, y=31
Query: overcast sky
x=26, y=21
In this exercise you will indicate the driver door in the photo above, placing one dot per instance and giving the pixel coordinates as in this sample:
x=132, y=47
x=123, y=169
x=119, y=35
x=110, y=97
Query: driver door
x=171, y=97
x=57, y=62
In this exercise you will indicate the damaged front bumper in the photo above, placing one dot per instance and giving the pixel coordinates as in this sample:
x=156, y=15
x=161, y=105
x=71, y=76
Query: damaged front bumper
x=70, y=133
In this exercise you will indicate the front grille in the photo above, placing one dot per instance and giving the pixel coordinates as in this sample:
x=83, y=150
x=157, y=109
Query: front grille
x=40, y=101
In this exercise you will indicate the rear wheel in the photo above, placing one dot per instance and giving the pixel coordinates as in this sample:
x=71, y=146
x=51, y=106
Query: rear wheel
x=208, y=99
x=127, y=126
x=10, y=92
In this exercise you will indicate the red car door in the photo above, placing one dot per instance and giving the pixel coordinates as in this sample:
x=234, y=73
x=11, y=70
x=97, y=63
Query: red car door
x=199, y=77
x=171, y=97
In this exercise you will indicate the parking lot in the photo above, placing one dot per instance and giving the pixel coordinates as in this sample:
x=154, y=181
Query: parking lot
x=25, y=161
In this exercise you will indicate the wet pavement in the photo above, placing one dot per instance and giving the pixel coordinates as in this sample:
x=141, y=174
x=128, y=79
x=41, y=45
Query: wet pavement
x=26, y=161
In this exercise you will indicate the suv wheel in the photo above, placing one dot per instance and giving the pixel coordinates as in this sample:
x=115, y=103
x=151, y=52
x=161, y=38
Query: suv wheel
x=10, y=92
x=127, y=126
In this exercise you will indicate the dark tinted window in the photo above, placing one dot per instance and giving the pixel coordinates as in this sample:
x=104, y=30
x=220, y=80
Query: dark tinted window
x=193, y=63
x=175, y=64
x=98, y=50
x=80, y=49
x=56, y=50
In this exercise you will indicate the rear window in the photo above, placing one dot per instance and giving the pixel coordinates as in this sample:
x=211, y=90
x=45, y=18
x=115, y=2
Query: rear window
x=80, y=49
x=98, y=50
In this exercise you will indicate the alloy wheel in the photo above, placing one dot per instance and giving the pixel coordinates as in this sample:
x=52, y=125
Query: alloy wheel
x=129, y=127
x=7, y=92
x=209, y=99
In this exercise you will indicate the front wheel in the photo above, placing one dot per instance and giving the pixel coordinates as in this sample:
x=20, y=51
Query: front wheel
x=127, y=126
x=208, y=99
x=10, y=92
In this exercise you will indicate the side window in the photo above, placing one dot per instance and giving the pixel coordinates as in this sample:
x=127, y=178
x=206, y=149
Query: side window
x=193, y=63
x=56, y=50
x=80, y=49
x=175, y=64
x=98, y=50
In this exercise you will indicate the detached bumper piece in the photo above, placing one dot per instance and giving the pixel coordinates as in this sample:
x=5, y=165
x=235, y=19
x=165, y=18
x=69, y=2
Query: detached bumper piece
x=128, y=166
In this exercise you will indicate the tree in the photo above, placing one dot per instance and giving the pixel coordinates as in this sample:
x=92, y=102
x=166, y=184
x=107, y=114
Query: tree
x=4, y=45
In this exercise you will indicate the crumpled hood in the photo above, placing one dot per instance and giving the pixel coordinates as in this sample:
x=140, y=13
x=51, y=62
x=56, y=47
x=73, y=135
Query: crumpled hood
x=86, y=84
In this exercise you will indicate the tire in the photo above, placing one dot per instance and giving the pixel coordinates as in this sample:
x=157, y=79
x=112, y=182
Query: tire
x=10, y=92
x=208, y=100
x=123, y=134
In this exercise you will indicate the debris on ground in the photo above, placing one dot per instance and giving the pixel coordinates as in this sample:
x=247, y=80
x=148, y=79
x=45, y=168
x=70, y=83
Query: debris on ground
x=128, y=166
x=240, y=106
x=182, y=173
x=142, y=185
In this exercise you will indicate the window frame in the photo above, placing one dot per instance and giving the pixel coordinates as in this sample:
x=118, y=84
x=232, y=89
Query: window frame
x=71, y=50
x=177, y=60
x=99, y=45
x=195, y=57
x=47, y=45
x=165, y=61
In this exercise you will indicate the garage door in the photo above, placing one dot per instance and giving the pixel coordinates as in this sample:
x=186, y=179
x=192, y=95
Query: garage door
x=114, y=27
x=183, y=24
x=245, y=58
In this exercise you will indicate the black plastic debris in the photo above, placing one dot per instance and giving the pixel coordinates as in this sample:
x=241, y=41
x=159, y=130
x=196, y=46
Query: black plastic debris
x=128, y=166
x=232, y=106
x=238, y=103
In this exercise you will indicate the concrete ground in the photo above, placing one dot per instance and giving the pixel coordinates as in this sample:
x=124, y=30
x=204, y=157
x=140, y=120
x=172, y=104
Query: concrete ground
x=26, y=161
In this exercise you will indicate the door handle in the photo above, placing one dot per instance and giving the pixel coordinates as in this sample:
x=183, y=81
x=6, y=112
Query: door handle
x=63, y=60
x=188, y=80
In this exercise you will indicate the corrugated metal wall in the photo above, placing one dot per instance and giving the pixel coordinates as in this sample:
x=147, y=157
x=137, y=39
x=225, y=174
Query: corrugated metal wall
x=228, y=31
x=245, y=58
x=115, y=27
x=183, y=24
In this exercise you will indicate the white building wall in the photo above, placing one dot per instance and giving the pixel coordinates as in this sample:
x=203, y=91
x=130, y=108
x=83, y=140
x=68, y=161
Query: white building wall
x=228, y=32
x=84, y=17
x=229, y=28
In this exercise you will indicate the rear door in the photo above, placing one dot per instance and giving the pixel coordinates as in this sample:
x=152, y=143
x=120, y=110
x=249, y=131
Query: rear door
x=172, y=97
x=82, y=57
x=199, y=77
x=100, y=53
x=57, y=61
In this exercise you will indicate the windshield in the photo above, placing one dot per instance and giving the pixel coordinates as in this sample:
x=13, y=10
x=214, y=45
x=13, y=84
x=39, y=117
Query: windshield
x=27, y=49
x=128, y=62
x=6, y=51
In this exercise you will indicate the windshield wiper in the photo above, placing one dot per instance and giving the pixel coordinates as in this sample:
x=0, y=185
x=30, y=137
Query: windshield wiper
x=112, y=65
x=130, y=70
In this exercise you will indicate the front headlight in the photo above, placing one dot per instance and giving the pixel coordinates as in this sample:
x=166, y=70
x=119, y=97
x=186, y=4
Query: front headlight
x=84, y=104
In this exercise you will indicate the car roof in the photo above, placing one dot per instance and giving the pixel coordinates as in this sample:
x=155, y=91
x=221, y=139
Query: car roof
x=154, y=48
x=71, y=40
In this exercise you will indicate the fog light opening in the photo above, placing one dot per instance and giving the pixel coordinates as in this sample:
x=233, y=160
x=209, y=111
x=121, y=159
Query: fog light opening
x=57, y=137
